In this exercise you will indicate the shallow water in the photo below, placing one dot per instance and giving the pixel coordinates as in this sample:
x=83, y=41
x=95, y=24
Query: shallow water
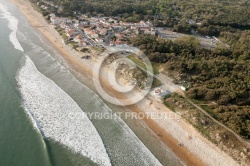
x=38, y=90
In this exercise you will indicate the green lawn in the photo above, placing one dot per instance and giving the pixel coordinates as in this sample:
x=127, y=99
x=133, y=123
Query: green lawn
x=138, y=62
x=143, y=65
x=156, y=83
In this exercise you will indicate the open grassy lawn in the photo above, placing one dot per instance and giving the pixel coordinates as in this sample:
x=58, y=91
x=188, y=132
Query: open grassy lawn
x=143, y=65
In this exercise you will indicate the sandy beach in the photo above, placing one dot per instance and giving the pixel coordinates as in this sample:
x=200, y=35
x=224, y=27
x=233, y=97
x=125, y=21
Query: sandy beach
x=196, y=150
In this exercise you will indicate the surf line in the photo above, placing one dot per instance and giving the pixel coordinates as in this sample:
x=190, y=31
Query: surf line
x=50, y=106
x=13, y=25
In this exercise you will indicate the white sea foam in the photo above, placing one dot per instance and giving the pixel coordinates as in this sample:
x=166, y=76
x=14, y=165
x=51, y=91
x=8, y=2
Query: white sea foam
x=50, y=108
x=13, y=25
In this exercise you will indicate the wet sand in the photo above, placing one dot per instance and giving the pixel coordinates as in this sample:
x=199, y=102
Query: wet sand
x=84, y=67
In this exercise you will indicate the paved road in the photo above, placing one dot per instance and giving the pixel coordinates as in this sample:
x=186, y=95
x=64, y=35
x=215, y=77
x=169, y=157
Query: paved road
x=167, y=84
x=91, y=41
x=167, y=34
x=110, y=34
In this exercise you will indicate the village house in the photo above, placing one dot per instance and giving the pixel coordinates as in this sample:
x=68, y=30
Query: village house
x=116, y=27
x=56, y=20
x=44, y=7
x=75, y=21
x=125, y=24
x=59, y=20
x=111, y=20
x=93, y=24
x=82, y=43
x=67, y=21
x=106, y=26
x=81, y=27
x=102, y=31
x=117, y=42
x=82, y=17
x=112, y=43
x=64, y=26
x=94, y=34
x=119, y=35
x=141, y=24
x=76, y=25
x=103, y=21
x=91, y=33
x=77, y=39
x=87, y=31
x=151, y=32
x=146, y=30
x=98, y=28
x=99, y=40
x=84, y=23
x=71, y=33
x=52, y=15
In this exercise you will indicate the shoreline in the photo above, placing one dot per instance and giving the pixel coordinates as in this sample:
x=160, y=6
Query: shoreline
x=84, y=68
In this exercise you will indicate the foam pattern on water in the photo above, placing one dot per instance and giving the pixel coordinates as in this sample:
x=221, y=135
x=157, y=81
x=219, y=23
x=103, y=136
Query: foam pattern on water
x=50, y=107
x=13, y=25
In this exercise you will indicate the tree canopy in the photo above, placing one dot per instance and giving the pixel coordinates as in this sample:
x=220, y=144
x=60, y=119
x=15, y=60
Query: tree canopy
x=221, y=75
x=215, y=16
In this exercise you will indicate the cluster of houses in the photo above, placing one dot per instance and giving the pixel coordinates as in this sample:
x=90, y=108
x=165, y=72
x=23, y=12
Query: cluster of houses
x=100, y=30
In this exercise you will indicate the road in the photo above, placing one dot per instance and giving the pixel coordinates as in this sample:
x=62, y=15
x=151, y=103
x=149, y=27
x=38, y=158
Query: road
x=167, y=34
x=167, y=84
x=243, y=141
x=91, y=41
x=110, y=34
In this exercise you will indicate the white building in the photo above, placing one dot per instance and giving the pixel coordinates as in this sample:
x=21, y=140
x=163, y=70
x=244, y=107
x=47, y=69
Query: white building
x=59, y=20
x=55, y=20
x=98, y=40
x=82, y=43
x=78, y=38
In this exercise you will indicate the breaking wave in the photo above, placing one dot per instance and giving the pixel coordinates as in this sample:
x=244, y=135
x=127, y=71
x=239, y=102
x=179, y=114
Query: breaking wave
x=13, y=25
x=50, y=108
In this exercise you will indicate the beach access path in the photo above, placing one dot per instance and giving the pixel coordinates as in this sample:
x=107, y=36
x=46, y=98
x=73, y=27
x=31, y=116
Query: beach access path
x=196, y=151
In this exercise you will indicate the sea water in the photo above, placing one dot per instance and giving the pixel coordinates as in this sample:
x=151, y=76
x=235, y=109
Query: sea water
x=39, y=92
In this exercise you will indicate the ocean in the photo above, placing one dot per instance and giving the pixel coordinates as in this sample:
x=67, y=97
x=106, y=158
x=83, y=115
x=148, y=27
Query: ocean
x=44, y=106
